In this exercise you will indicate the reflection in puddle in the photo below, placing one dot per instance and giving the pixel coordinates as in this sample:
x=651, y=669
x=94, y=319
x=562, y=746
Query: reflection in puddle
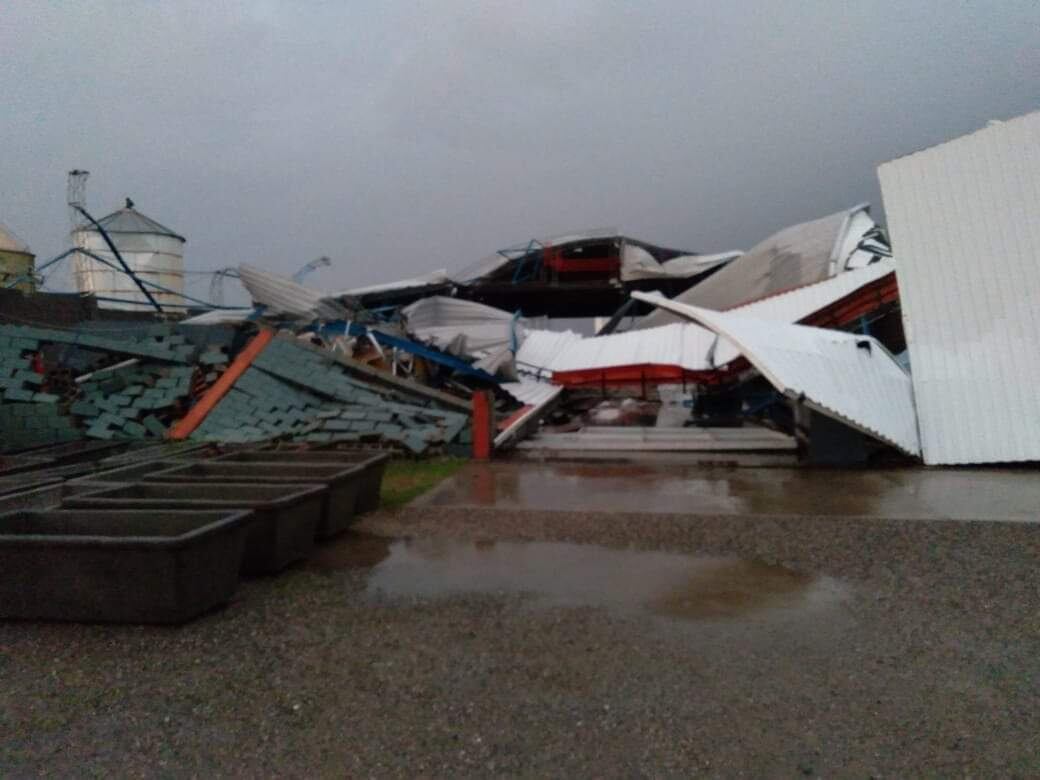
x=352, y=550
x=556, y=574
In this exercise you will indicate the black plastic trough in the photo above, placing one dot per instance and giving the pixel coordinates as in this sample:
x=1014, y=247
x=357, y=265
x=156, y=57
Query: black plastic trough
x=47, y=496
x=118, y=566
x=134, y=472
x=281, y=531
x=373, y=463
x=342, y=479
x=19, y=464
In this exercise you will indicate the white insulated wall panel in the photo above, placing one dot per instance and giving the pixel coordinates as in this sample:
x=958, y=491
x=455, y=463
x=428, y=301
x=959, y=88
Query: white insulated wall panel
x=964, y=218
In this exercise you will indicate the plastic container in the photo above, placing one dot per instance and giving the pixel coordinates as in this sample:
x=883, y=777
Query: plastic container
x=342, y=480
x=118, y=566
x=19, y=464
x=284, y=516
x=48, y=496
x=131, y=473
x=373, y=463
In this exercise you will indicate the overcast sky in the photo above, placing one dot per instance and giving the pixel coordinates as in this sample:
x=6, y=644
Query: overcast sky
x=400, y=138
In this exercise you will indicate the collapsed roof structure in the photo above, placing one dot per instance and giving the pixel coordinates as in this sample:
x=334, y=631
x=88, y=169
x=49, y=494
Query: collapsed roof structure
x=803, y=339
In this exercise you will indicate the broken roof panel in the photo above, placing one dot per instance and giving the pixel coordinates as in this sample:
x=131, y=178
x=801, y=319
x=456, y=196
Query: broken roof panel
x=638, y=263
x=851, y=378
x=461, y=327
x=427, y=280
x=279, y=295
x=796, y=256
x=964, y=216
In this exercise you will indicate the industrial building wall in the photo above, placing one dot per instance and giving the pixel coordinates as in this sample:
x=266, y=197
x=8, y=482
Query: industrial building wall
x=964, y=218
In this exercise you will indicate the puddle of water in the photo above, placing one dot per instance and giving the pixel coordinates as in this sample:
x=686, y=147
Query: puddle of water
x=353, y=550
x=559, y=574
x=913, y=493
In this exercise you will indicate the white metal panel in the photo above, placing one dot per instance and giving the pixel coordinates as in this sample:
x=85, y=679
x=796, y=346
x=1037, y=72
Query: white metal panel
x=531, y=393
x=798, y=304
x=461, y=327
x=965, y=220
x=672, y=345
x=851, y=378
x=284, y=296
x=637, y=263
x=436, y=277
x=540, y=348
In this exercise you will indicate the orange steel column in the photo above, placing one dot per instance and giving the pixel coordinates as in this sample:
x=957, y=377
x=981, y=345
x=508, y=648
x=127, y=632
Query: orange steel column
x=483, y=425
x=183, y=428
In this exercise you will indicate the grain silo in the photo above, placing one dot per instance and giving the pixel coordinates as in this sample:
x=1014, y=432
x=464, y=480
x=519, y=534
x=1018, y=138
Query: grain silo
x=153, y=252
x=16, y=262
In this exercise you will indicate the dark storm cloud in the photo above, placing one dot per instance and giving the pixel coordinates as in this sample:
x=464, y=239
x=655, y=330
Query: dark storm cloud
x=400, y=138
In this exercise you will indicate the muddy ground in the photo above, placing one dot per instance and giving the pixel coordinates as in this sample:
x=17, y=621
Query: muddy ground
x=787, y=647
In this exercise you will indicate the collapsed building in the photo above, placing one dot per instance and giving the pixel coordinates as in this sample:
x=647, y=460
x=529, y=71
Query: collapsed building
x=820, y=343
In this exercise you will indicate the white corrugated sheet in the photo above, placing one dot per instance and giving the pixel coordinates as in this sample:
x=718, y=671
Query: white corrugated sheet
x=672, y=345
x=637, y=263
x=965, y=219
x=437, y=277
x=284, y=296
x=796, y=256
x=851, y=378
x=219, y=317
x=540, y=349
x=684, y=344
x=800, y=303
x=530, y=392
x=461, y=327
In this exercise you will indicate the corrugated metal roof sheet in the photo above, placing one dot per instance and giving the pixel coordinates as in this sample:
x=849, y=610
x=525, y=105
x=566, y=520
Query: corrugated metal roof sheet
x=965, y=220
x=684, y=344
x=540, y=348
x=434, y=278
x=796, y=256
x=851, y=378
x=129, y=220
x=284, y=296
x=460, y=327
x=530, y=392
x=798, y=304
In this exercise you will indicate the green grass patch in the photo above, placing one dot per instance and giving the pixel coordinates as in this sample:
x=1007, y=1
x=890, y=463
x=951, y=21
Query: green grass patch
x=407, y=479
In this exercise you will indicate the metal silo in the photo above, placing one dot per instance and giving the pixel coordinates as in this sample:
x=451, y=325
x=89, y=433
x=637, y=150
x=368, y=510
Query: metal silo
x=16, y=262
x=154, y=253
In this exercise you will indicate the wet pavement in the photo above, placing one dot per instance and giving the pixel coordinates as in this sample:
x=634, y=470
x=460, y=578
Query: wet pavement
x=555, y=574
x=1010, y=494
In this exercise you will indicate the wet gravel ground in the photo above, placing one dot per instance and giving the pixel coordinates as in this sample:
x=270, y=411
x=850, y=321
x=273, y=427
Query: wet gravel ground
x=930, y=664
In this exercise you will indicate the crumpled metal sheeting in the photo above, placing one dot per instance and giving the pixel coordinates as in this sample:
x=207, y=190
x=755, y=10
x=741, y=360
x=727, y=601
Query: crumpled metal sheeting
x=848, y=377
x=279, y=295
x=793, y=257
x=462, y=327
x=637, y=263
x=539, y=351
x=427, y=280
x=682, y=345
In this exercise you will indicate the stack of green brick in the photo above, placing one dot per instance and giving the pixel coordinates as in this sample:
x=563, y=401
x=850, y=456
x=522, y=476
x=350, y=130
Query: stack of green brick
x=135, y=402
x=19, y=383
x=260, y=407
